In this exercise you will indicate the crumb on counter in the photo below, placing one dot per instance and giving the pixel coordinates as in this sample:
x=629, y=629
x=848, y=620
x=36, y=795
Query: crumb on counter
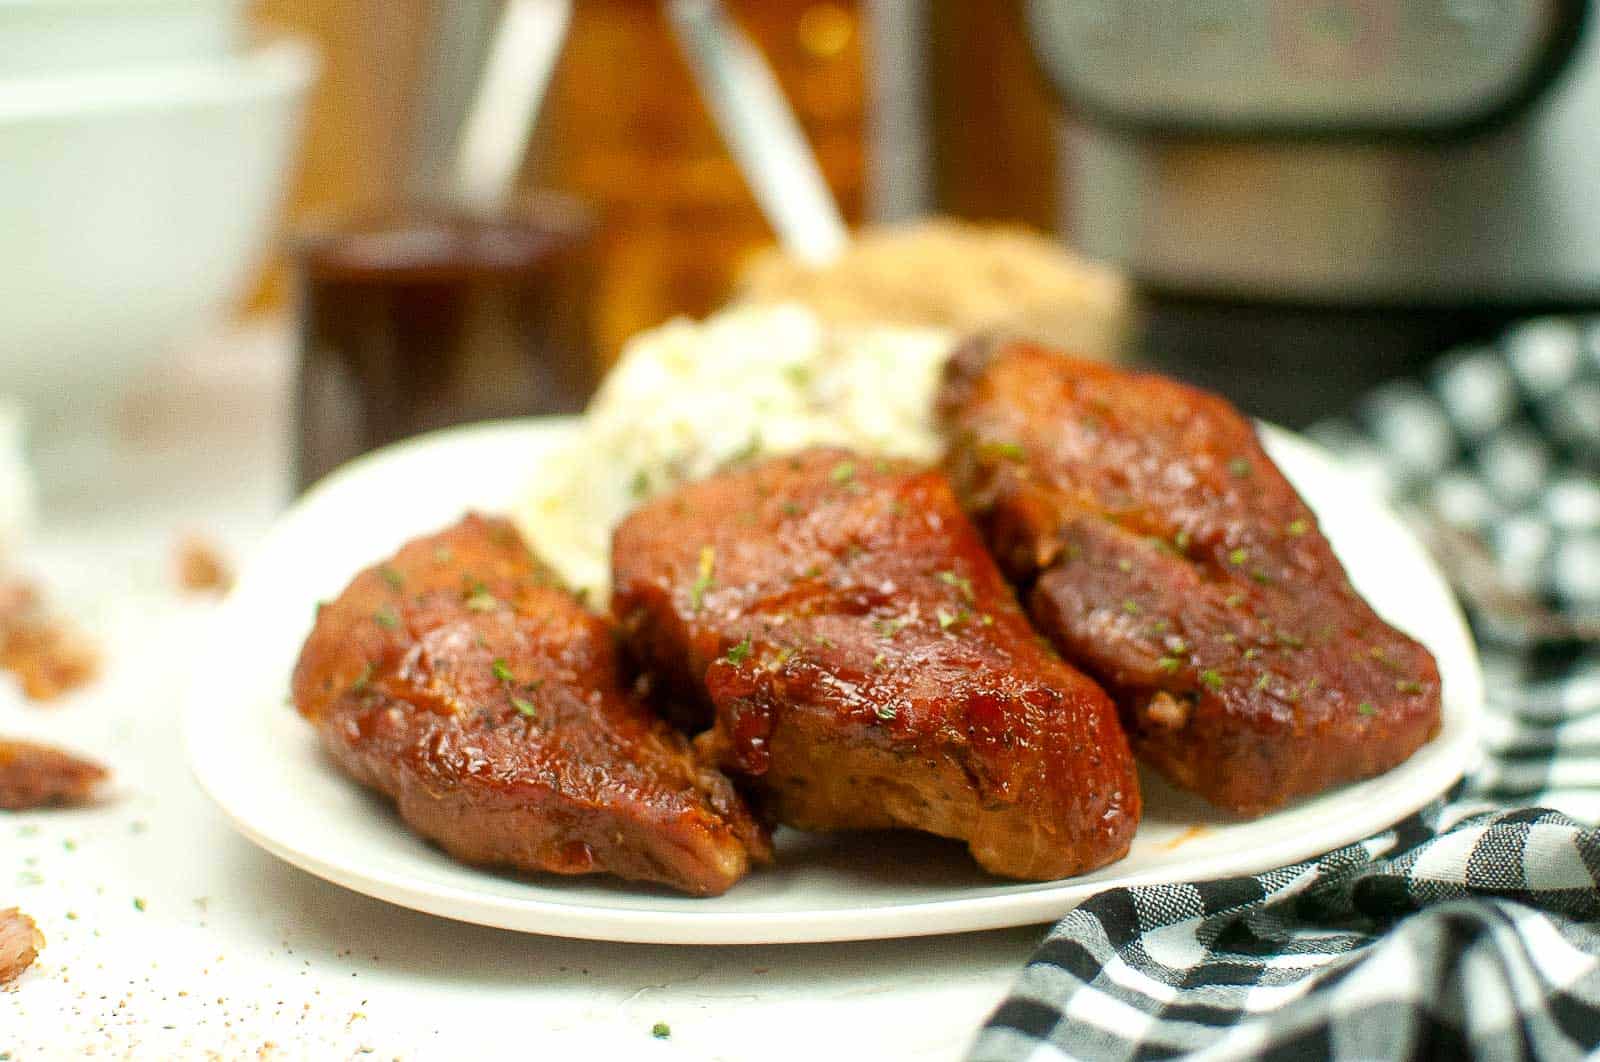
x=47, y=653
x=34, y=776
x=201, y=566
x=20, y=944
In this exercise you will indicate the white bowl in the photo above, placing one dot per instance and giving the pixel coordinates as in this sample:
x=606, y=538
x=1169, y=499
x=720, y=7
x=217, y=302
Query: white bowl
x=133, y=207
x=59, y=36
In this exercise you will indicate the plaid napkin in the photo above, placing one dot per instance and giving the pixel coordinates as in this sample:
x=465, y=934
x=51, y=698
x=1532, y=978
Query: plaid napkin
x=1471, y=929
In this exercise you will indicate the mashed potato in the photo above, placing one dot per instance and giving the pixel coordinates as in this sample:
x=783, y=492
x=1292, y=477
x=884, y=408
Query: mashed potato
x=686, y=398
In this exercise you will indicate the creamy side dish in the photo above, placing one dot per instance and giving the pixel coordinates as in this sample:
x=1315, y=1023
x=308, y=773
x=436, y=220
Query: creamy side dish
x=688, y=397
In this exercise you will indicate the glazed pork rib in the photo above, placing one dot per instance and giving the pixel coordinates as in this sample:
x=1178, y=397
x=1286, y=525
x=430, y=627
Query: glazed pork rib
x=863, y=664
x=1168, y=557
x=483, y=699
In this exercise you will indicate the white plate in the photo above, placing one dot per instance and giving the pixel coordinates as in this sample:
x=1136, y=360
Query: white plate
x=260, y=762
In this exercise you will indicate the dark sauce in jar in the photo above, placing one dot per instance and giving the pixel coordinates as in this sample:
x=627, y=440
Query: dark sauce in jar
x=422, y=322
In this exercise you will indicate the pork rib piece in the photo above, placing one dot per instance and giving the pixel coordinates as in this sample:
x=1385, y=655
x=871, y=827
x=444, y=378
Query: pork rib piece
x=864, y=665
x=486, y=702
x=1166, y=555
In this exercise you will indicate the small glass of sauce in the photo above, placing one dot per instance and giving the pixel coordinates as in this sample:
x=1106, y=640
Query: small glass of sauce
x=425, y=321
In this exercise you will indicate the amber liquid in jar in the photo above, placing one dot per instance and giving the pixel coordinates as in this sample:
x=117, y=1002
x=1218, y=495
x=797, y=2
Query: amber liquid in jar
x=624, y=127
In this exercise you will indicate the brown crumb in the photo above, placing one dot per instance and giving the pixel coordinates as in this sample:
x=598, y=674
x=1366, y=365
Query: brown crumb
x=35, y=776
x=50, y=657
x=20, y=941
x=48, y=654
x=202, y=568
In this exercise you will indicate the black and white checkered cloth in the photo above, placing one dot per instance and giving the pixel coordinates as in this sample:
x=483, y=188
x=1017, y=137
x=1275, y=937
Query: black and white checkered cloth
x=1471, y=929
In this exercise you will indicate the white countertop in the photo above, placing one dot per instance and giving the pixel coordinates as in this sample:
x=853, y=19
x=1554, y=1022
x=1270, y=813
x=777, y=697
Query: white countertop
x=237, y=954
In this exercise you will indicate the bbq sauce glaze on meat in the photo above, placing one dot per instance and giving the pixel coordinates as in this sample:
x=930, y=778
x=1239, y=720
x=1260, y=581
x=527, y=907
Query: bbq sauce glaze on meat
x=486, y=702
x=864, y=665
x=1165, y=554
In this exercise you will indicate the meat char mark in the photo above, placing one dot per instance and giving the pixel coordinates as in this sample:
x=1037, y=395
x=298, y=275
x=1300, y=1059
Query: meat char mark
x=462, y=682
x=864, y=665
x=1163, y=552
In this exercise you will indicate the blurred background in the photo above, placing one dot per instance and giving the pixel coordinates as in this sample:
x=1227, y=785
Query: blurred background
x=1337, y=190
x=943, y=112
x=379, y=218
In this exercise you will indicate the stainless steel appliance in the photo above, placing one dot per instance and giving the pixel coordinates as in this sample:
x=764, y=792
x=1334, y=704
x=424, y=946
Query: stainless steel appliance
x=1315, y=194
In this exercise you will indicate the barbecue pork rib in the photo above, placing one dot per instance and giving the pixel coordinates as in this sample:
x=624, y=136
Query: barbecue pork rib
x=863, y=664
x=1164, y=553
x=482, y=698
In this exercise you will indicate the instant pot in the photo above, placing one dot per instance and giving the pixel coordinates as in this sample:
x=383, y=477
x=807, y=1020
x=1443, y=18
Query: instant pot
x=1314, y=196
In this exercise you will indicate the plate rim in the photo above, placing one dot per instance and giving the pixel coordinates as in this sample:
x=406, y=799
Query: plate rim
x=581, y=920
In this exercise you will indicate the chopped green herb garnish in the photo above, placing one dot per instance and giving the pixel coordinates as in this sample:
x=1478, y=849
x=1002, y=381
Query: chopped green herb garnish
x=524, y=707
x=1130, y=606
x=1211, y=678
x=751, y=447
x=392, y=577
x=1251, y=653
x=502, y=670
x=960, y=582
x=1169, y=664
x=1366, y=708
x=1262, y=681
x=320, y=606
x=1261, y=576
x=812, y=571
x=482, y=601
x=799, y=375
x=442, y=555
x=823, y=640
x=791, y=509
x=1298, y=527
x=898, y=507
x=385, y=617
x=843, y=472
x=1178, y=645
x=1239, y=467
x=661, y=1030
x=1234, y=600
x=639, y=485
x=1124, y=565
x=888, y=628
x=362, y=679
x=1009, y=450
x=138, y=903
x=739, y=653
x=702, y=582
x=1293, y=641
x=880, y=662
x=1238, y=556
x=946, y=620
x=1181, y=540
x=886, y=712
x=1407, y=686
